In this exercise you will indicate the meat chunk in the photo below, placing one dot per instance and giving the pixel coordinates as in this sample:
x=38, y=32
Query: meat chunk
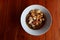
x=38, y=11
x=30, y=20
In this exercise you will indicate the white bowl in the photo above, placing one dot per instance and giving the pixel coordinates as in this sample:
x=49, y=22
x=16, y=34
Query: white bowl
x=46, y=26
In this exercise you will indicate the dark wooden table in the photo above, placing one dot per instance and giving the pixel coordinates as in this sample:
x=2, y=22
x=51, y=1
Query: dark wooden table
x=10, y=12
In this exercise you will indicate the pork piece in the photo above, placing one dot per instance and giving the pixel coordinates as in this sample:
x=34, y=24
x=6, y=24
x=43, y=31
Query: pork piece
x=43, y=19
x=33, y=25
x=40, y=21
x=38, y=17
x=32, y=12
x=30, y=20
x=41, y=14
x=34, y=18
x=38, y=11
x=37, y=22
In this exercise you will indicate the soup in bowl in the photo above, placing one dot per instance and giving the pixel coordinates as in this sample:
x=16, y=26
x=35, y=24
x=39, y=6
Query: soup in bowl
x=36, y=20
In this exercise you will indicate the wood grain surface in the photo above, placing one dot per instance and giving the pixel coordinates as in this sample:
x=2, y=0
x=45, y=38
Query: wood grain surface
x=10, y=12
